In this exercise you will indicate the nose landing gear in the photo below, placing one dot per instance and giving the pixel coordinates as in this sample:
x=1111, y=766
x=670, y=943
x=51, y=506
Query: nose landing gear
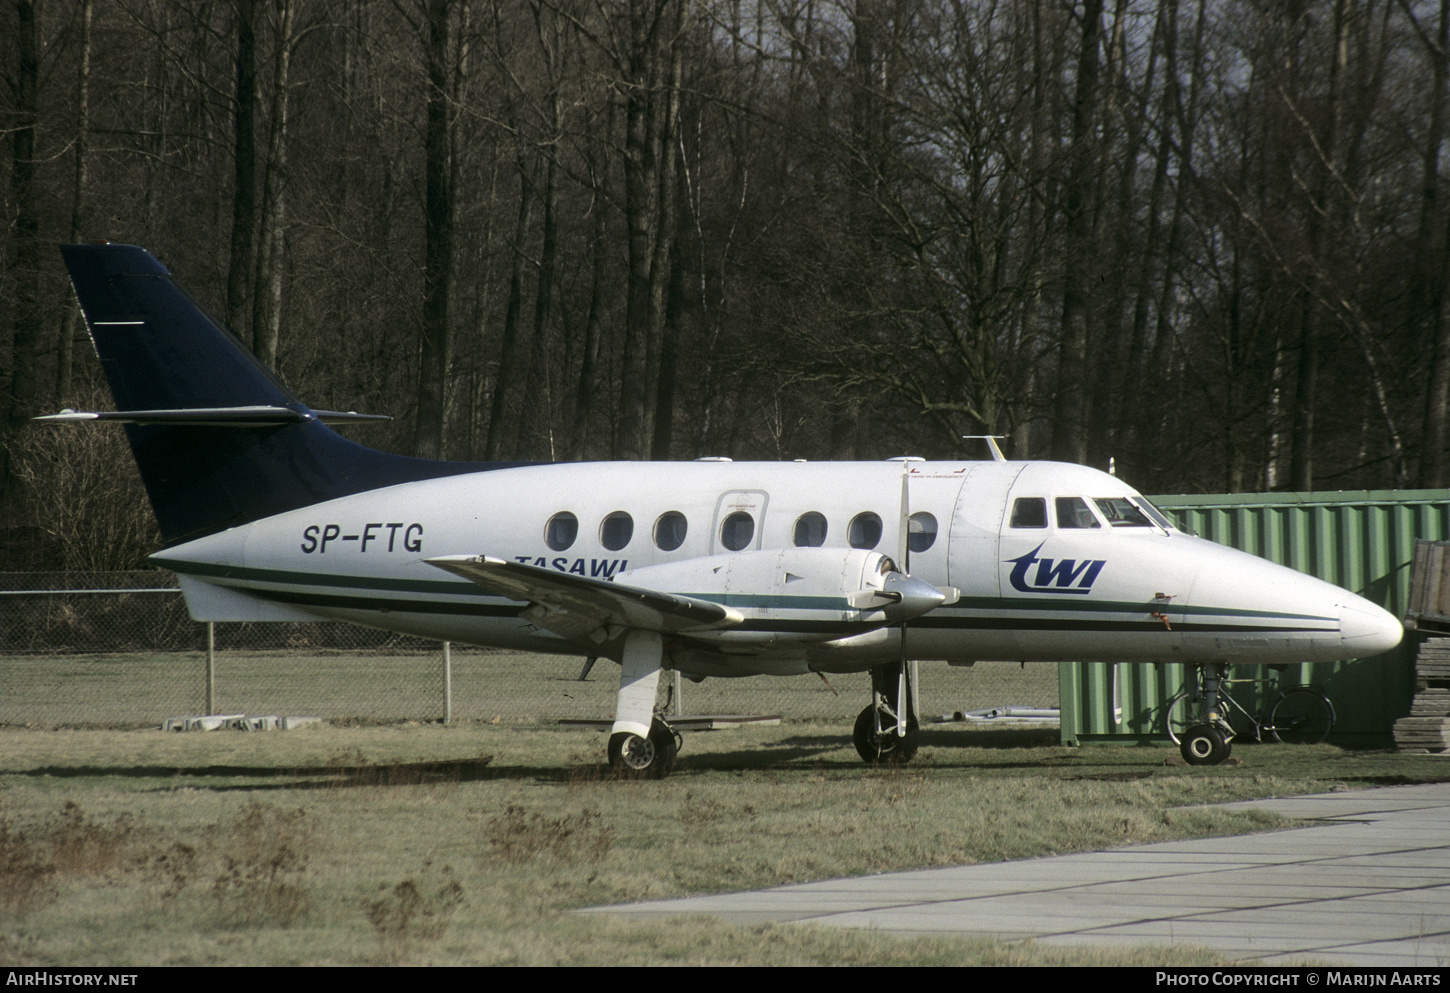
x=1208, y=740
x=1205, y=744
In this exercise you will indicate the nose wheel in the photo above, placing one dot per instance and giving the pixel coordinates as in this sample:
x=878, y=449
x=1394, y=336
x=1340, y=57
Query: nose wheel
x=1204, y=744
x=1208, y=737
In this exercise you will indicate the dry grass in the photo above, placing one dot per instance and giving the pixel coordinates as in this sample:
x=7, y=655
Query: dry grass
x=518, y=835
x=412, y=916
x=141, y=848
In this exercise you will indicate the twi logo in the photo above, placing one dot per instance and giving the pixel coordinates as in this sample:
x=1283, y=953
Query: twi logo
x=1055, y=577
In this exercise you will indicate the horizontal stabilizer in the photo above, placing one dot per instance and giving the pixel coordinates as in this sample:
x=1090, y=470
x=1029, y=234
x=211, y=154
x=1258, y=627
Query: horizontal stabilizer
x=183, y=386
x=255, y=415
x=579, y=607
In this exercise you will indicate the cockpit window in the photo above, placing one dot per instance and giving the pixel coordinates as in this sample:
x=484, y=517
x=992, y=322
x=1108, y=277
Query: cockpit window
x=1029, y=512
x=1073, y=512
x=1147, y=507
x=1121, y=513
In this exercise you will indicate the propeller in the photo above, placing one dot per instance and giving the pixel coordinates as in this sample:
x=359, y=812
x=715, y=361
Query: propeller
x=903, y=706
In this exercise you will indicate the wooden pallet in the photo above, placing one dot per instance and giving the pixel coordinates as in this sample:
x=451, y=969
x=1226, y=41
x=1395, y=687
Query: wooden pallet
x=1427, y=728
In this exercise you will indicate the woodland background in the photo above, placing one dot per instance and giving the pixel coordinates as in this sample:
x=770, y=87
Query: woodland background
x=1202, y=240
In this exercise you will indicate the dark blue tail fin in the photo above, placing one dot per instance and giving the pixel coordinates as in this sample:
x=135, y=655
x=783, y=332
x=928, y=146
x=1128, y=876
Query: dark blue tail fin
x=218, y=439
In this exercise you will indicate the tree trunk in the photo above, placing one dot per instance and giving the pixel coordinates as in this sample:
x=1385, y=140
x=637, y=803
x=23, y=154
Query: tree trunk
x=1069, y=436
x=65, y=355
x=508, y=349
x=654, y=37
x=436, y=350
x=1434, y=254
x=536, y=421
x=24, y=385
x=244, y=172
x=267, y=314
x=1306, y=389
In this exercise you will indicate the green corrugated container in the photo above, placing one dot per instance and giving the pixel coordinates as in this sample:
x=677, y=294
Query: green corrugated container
x=1363, y=541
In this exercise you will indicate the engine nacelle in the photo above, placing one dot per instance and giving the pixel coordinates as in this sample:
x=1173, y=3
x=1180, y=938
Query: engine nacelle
x=795, y=594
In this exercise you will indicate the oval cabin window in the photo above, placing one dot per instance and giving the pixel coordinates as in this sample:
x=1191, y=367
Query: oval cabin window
x=670, y=530
x=810, y=530
x=865, y=530
x=616, y=530
x=737, y=530
x=920, y=531
x=561, y=531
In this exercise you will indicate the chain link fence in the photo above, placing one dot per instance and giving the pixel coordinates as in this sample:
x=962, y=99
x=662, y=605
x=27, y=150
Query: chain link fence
x=118, y=649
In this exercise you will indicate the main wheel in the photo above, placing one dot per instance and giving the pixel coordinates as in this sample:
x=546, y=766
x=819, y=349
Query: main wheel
x=1301, y=717
x=634, y=757
x=1204, y=744
x=876, y=746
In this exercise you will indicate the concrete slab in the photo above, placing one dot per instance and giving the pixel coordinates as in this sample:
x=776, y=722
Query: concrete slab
x=1367, y=885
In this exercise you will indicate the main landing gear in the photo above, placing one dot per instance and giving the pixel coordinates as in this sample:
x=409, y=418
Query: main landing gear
x=641, y=745
x=650, y=757
x=879, y=734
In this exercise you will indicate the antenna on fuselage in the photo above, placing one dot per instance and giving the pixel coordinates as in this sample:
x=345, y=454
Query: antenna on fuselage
x=991, y=440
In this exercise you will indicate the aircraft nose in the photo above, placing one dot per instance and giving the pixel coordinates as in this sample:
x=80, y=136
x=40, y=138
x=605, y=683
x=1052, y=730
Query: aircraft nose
x=1366, y=629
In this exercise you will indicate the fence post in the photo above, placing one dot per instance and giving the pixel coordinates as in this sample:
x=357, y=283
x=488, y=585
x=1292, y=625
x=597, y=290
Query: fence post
x=210, y=668
x=447, y=682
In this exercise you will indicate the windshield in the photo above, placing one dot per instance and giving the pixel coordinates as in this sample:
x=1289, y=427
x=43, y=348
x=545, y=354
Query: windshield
x=1122, y=512
x=1158, y=517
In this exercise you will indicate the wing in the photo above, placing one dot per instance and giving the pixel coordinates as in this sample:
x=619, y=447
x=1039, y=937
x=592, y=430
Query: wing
x=579, y=608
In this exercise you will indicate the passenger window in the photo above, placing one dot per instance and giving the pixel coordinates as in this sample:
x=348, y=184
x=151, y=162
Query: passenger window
x=737, y=530
x=1073, y=512
x=920, y=531
x=810, y=530
x=1029, y=512
x=616, y=530
x=561, y=531
x=670, y=530
x=864, y=530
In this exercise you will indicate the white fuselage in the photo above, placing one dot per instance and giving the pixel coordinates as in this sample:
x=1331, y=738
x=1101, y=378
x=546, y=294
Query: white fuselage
x=1031, y=588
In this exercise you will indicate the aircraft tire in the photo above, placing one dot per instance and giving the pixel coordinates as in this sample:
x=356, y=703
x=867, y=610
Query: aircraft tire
x=877, y=748
x=633, y=757
x=1204, y=744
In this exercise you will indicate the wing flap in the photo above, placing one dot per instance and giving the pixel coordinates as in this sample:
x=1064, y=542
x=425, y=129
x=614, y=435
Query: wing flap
x=579, y=607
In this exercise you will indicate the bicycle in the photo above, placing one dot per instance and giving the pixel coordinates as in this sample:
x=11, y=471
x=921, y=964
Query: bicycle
x=1298, y=715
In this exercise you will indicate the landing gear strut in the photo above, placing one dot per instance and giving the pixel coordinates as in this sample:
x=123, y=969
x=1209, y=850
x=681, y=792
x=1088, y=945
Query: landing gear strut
x=879, y=734
x=1209, y=741
x=641, y=745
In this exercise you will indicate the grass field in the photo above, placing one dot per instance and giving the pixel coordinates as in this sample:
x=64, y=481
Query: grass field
x=471, y=844
x=143, y=689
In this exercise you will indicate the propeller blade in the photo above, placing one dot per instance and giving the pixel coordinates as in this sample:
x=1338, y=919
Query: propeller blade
x=904, y=540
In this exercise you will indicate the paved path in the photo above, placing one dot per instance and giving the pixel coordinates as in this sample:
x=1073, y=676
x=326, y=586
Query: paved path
x=1368, y=884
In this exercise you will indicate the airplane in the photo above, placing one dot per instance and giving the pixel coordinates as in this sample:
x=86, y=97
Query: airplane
x=712, y=568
